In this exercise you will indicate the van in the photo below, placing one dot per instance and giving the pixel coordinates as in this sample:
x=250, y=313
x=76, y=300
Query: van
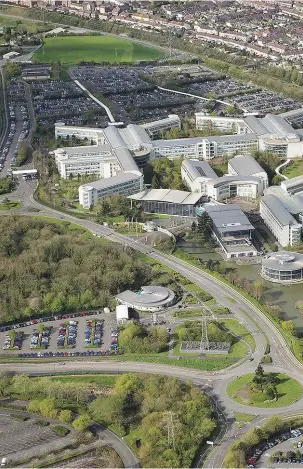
x=3, y=461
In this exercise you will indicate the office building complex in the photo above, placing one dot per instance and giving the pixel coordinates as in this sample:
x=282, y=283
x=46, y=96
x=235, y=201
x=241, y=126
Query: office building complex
x=283, y=267
x=280, y=221
x=232, y=230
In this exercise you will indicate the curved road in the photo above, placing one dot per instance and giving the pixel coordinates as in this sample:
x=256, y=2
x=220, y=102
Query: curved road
x=214, y=383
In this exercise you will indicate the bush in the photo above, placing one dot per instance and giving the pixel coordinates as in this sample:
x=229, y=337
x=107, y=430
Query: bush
x=82, y=423
x=60, y=431
x=65, y=416
x=267, y=349
x=266, y=359
x=42, y=423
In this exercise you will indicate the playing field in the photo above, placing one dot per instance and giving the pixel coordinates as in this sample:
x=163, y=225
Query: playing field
x=74, y=49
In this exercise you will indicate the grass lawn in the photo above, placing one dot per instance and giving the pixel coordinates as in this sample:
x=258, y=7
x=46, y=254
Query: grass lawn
x=241, y=417
x=101, y=380
x=74, y=49
x=293, y=169
x=289, y=391
x=10, y=205
x=21, y=24
x=235, y=327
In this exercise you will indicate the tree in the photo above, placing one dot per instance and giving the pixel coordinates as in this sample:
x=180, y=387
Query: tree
x=258, y=289
x=289, y=327
x=259, y=376
x=204, y=227
x=65, y=416
x=156, y=181
x=12, y=335
x=193, y=226
x=82, y=423
x=40, y=327
x=21, y=384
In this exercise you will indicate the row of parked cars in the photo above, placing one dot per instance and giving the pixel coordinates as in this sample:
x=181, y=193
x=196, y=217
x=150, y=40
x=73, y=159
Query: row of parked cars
x=260, y=449
x=88, y=353
x=15, y=343
x=32, y=322
x=114, y=339
x=93, y=333
x=40, y=339
x=67, y=334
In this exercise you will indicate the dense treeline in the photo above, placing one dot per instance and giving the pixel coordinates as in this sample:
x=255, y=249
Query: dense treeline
x=48, y=267
x=137, y=406
x=143, y=405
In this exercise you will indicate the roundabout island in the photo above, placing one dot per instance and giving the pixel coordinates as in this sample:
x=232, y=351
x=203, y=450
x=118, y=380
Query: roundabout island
x=268, y=390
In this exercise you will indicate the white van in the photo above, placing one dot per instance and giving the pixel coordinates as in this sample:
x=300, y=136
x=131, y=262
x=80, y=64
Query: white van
x=3, y=462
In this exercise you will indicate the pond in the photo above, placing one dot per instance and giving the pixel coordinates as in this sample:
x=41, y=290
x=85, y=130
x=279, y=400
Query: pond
x=282, y=295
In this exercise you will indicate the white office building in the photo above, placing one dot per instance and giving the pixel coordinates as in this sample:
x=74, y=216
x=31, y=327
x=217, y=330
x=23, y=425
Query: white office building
x=205, y=148
x=226, y=187
x=154, y=128
x=281, y=223
x=224, y=124
x=125, y=183
x=195, y=175
x=92, y=135
x=246, y=165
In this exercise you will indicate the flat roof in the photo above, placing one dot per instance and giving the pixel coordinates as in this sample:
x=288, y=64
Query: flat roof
x=228, y=218
x=120, y=178
x=233, y=138
x=283, y=261
x=255, y=125
x=198, y=169
x=292, y=182
x=84, y=150
x=245, y=165
x=278, y=209
x=168, y=195
x=292, y=113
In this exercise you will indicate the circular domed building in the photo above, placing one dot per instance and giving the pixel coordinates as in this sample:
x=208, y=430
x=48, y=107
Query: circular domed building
x=283, y=267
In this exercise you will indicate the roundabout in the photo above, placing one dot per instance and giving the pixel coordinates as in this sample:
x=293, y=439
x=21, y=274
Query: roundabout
x=278, y=390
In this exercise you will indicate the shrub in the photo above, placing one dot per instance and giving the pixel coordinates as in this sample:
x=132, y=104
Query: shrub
x=66, y=416
x=42, y=423
x=60, y=430
x=266, y=359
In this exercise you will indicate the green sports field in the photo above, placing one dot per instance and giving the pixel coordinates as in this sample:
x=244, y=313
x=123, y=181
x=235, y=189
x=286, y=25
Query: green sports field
x=74, y=49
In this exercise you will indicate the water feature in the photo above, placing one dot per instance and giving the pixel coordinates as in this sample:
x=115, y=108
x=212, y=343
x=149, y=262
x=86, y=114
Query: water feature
x=282, y=295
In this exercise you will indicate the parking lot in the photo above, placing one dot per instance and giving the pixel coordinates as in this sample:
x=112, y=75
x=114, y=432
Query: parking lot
x=18, y=127
x=284, y=450
x=56, y=100
x=16, y=435
x=72, y=334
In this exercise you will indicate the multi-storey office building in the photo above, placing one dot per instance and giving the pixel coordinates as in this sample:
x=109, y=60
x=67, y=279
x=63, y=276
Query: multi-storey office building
x=246, y=165
x=283, y=267
x=195, y=175
x=234, y=186
x=281, y=223
x=224, y=124
x=125, y=183
x=232, y=230
x=155, y=128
